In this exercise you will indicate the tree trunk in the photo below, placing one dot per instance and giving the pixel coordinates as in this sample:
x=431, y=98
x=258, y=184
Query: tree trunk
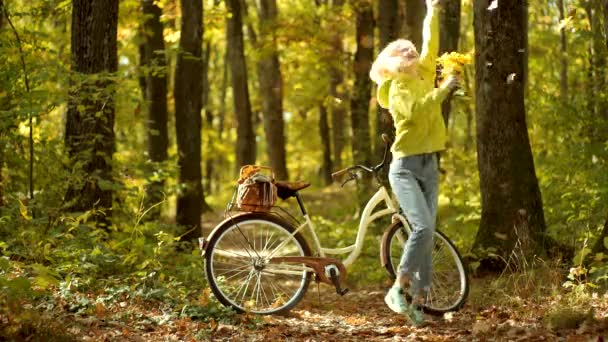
x=388, y=30
x=412, y=14
x=509, y=187
x=143, y=63
x=606, y=22
x=563, y=72
x=598, y=105
x=449, y=34
x=89, y=128
x=156, y=99
x=245, y=140
x=188, y=105
x=271, y=88
x=3, y=106
x=337, y=106
x=338, y=115
x=326, y=166
x=600, y=53
x=599, y=246
x=468, y=110
x=362, y=87
x=209, y=151
x=361, y=92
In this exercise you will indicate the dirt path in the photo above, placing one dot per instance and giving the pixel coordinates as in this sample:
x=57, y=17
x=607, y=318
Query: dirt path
x=362, y=316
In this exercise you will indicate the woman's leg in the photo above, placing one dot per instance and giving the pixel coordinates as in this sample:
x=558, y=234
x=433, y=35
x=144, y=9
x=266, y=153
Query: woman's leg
x=405, y=177
x=429, y=181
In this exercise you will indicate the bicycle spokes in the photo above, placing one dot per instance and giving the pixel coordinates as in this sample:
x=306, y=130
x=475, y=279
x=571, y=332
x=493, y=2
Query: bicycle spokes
x=242, y=274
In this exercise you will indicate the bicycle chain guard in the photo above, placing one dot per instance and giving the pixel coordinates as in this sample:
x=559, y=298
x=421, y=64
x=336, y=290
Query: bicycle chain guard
x=324, y=268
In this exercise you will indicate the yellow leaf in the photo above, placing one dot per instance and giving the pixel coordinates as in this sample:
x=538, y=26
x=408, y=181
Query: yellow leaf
x=24, y=212
x=564, y=23
x=100, y=309
x=203, y=299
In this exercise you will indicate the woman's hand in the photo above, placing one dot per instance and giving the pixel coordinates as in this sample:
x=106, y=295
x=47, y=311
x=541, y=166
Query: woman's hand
x=433, y=3
x=452, y=83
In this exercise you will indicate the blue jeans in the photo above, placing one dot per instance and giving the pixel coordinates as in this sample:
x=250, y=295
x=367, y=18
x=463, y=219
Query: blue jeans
x=415, y=182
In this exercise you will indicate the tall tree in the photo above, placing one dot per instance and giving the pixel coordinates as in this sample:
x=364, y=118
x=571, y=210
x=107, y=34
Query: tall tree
x=213, y=134
x=188, y=105
x=599, y=54
x=324, y=130
x=411, y=13
x=156, y=97
x=3, y=106
x=510, y=196
x=388, y=30
x=600, y=245
x=605, y=11
x=209, y=149
x=338, y=104
x=326, y=164
x=563, y=40
x=271, y=88
x=361, y=91
x=245, y=140
x=449, y=34
x=89, y=126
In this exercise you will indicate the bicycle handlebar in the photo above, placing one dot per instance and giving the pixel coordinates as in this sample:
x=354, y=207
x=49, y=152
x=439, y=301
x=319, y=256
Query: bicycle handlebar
x=338, y=174
x=373, y=169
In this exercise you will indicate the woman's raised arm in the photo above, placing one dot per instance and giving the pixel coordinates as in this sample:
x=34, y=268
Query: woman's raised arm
x=430, y=36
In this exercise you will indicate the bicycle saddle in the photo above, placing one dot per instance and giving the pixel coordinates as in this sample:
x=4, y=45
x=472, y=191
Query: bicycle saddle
x=287, y=189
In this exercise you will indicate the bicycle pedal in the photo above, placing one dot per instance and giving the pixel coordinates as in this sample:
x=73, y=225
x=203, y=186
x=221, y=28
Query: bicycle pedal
x=342, y=292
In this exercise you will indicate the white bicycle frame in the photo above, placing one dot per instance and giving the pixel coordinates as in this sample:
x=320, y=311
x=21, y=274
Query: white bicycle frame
x=367, y=217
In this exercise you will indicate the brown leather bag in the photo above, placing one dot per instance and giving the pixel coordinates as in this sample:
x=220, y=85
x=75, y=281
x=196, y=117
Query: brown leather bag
x=256, y=190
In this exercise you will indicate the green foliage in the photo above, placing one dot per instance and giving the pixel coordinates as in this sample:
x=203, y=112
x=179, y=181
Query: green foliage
x=62, y=261
x=564, y=316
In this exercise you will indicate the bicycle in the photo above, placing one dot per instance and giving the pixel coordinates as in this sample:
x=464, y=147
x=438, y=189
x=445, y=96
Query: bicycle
x=260, y=262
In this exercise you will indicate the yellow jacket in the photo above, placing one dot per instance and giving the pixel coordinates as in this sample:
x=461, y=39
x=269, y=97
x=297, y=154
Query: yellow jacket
x=415, y=103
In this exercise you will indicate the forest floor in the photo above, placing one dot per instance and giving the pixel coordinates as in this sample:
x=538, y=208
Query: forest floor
x=361, y=315
x=526, y=306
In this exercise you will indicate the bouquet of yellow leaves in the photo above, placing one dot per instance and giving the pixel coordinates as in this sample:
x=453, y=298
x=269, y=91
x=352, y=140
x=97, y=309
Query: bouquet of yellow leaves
x=453, y=63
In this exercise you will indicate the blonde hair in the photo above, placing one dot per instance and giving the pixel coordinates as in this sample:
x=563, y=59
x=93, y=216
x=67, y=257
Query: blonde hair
x=399, y=56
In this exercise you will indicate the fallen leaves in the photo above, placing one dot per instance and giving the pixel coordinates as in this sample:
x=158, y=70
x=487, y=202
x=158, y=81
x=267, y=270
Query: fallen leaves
x=360, y=316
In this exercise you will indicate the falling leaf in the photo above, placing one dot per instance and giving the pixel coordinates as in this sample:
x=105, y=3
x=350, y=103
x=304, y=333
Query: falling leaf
x=511, y=78
x=564, y=23
x=493, y=5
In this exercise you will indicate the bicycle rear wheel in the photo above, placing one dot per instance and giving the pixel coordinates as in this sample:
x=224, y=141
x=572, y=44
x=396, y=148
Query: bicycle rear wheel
x=450, y=284
x=238, y=268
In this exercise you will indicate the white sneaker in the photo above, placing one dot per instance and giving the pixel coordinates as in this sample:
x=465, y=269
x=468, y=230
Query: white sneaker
x=396, y=300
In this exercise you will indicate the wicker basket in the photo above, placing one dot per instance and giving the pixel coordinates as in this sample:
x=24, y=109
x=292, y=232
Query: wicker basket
x=256, y=190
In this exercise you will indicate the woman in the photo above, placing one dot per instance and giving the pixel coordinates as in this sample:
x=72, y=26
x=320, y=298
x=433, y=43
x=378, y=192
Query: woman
x=406, y=88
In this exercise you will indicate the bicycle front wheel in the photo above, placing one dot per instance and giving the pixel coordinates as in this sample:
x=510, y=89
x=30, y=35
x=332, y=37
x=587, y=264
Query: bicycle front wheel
x=450, y=284
x=238, y=267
